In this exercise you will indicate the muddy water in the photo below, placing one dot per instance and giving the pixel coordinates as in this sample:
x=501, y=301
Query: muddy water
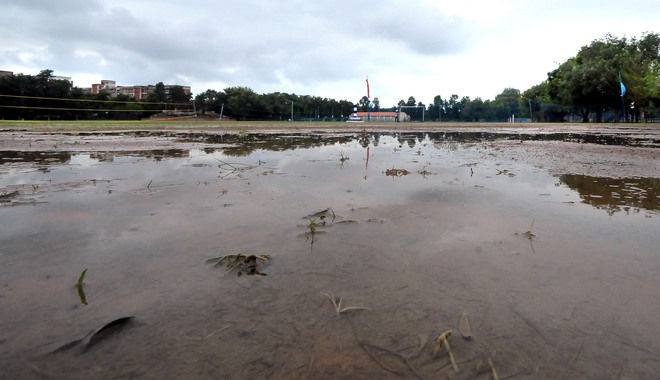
x=550, y=247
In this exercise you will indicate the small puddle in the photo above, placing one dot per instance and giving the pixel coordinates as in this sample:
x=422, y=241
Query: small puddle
x=330, y=255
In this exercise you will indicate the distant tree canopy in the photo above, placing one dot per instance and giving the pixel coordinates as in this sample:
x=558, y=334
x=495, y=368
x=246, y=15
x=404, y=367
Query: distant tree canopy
x=590, y=83
x=586, y=85
x=45, y=96
x=242, y=103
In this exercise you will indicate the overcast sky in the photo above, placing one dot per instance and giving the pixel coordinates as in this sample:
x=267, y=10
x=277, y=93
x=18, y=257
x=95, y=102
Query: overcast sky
x=419, y=48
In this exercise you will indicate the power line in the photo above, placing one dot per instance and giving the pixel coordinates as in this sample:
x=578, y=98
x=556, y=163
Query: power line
x=79, y=109
x=89, y=100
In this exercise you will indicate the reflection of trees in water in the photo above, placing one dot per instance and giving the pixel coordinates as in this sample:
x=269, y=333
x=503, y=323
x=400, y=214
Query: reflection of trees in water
x=38, y=157
x=616, y=194
x=479, y=136
x=245, y=144
x=156, y=154
x=365, y=139
x=63, y=158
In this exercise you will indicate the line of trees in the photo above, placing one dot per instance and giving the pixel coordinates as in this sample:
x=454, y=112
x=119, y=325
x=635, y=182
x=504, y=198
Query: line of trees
x=243, y=103
x=45, y=96
x=587, y=87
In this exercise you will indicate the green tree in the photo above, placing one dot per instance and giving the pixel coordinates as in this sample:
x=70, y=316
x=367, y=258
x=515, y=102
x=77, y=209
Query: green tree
x=208, y=101
x=158, y=95
x=376, y=103
x=363, y=104
x=241, y=102
x=435, y=109
x=590, y=80
x=474, y=110
x=507, y=103
x=453, y=108
x=411, y=101
x=178, y=95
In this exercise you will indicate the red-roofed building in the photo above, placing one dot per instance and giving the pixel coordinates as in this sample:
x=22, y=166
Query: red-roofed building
x=391, y=116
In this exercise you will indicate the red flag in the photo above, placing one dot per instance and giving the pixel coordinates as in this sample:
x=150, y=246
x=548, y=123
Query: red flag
x=368, y=94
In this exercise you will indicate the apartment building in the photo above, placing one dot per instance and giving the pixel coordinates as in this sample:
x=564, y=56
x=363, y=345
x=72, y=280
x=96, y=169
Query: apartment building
x=137, y=92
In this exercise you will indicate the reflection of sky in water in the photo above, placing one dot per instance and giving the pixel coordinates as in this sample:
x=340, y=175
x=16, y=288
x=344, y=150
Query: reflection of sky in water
x=436, y=167
x=268, y=186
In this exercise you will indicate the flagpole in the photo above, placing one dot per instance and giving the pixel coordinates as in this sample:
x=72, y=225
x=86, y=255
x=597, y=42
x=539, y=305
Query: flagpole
x=368, y=101
x=623, y=92
x=623, y=109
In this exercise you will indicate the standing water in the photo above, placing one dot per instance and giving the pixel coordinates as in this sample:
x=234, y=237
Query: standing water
x=231, y=254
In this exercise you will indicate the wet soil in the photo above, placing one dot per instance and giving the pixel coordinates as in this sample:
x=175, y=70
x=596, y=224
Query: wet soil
x=546, y=237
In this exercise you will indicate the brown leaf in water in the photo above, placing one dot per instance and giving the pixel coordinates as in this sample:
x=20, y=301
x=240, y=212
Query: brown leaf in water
x=464, y=326
x=92, y=338
x=107, y=330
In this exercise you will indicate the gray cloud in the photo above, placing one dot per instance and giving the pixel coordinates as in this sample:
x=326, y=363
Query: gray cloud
x=311, y=47
x=254, y=43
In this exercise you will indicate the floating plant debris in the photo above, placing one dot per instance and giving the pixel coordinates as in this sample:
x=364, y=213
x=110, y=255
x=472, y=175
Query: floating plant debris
x=79, y=287
x=443, y=340
x=93, y=338
x=248, y=264
x=336, y=302
x=396, y=172
x=322, y=215
x=530, y=235
x=8, y=196
x=464, y=326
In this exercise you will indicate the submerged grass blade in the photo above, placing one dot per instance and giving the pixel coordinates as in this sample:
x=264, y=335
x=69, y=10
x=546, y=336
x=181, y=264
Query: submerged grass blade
x=82, y=277
x=353, y=308
x=81, y=294
x=336, y=303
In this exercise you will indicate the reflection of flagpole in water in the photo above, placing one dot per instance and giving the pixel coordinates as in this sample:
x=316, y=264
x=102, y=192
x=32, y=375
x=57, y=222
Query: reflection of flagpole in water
x=366, y=164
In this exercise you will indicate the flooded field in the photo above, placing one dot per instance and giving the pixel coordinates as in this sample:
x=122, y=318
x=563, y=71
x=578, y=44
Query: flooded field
x=330, y=255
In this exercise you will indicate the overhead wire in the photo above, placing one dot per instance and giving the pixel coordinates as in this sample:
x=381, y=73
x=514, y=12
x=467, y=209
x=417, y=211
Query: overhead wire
x=78, y=109
x=133, y=101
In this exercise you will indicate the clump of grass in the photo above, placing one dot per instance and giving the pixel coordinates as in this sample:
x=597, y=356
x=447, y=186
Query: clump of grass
x=312, y=227
x=530, y=235
x=336, y=303
x=396, y=172
x=242, y=262
x=443, y=340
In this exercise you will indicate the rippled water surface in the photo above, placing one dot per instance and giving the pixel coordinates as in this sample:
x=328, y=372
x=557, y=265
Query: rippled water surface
x=558, y=271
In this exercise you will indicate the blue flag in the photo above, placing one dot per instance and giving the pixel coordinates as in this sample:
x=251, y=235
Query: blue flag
x=623, y=88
